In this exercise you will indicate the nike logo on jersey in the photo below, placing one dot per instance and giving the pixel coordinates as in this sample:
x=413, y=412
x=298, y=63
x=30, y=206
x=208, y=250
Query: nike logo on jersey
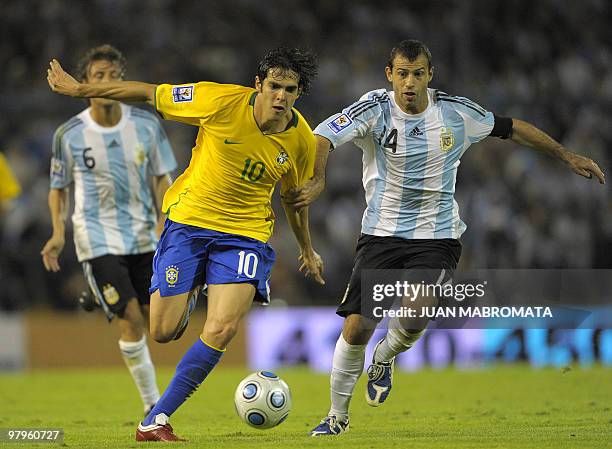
x=230, y=142
x=415, y=132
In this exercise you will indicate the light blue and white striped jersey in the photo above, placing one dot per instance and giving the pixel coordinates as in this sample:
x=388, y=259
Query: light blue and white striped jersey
x=410, y=160
x=114, y=211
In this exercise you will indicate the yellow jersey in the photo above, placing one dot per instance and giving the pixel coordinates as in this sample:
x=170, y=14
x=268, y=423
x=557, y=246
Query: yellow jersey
x=234, y=167
x=9, y=187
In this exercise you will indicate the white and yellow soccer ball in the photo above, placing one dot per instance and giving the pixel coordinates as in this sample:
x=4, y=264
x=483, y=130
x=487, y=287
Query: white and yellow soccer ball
x=263, y=400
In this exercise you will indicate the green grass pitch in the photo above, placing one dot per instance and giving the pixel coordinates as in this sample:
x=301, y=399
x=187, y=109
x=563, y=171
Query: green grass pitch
x=502, y=407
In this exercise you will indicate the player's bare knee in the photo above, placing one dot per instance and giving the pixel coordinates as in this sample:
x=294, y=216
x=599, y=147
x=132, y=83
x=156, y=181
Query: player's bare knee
x=226, y=332
x=155, y=332
x=131, y=322
x=132, y=316
x=357, y=329
x=219, y=333
x=162, y=332
x=160, y=337
x=417, y=324
x=356, y=337
x=131, y=332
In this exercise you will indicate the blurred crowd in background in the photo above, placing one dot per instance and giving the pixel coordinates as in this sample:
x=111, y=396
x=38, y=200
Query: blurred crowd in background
x=548, y=62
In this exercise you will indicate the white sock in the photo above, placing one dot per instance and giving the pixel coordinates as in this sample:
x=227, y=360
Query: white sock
x=138, y=360
x=347, y=367
x=395, y=342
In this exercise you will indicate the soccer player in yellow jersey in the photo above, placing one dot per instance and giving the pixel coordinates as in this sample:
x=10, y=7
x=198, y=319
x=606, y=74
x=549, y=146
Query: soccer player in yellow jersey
x=219, y=210
x=9, y=187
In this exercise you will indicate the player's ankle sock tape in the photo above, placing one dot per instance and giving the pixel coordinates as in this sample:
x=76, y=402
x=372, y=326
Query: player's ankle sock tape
x=191, y=371
x=396, y=341
x=347, y=367
x=138, y=360
x=132, y=349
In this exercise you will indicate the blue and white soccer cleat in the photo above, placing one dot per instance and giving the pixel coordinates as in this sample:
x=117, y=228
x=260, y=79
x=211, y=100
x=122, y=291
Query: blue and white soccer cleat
x=380, y=380
x=330, y=425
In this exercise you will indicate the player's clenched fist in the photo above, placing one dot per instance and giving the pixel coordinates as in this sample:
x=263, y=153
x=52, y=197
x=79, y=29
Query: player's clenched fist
x=60, y=81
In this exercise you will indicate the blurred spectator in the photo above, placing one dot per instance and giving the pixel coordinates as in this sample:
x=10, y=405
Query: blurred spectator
x=9, y=187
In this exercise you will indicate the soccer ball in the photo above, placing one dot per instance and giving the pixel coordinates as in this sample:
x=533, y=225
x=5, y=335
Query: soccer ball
x=263, y=400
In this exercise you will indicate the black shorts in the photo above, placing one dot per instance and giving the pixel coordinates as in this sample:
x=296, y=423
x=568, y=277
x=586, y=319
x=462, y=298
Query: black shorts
x=115, y=280
x=425, y=257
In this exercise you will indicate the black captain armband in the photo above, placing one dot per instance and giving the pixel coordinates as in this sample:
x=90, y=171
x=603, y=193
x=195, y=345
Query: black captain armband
x=502, y=127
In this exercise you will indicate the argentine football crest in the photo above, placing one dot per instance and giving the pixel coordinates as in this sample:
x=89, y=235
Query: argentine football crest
x=447, y=139
x=282, y=157
x=140, y=156
x=171, y=275
x=111, y=295
x=182, y=94
x=339, y=123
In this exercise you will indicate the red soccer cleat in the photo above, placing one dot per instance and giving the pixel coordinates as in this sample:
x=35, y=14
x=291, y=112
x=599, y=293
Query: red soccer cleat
x=156, y=432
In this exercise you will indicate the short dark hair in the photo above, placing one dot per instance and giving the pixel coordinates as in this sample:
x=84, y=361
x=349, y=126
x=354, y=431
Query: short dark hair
x=104, y=52
x=301, y=61
x=411, y=49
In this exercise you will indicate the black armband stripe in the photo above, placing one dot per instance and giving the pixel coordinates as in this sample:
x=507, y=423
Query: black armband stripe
x=502, y=127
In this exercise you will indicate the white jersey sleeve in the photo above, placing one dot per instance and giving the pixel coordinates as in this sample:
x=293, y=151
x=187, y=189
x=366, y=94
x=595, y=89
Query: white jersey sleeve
x=355, y=121
x=478, y=121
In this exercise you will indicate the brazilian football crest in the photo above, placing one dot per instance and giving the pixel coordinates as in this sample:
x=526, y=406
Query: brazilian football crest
x=171, y=275
x=111, y=295
x=447, y=139
x=282, y=157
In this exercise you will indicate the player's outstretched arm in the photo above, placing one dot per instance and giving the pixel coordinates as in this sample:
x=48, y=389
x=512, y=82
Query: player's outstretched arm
x=528, y=135
x=58, y=207
x=62, y=83
x=312, y=264
x=304, y=195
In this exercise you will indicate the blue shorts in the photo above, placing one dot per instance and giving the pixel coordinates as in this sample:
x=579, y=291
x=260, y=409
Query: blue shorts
x=188, y=256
